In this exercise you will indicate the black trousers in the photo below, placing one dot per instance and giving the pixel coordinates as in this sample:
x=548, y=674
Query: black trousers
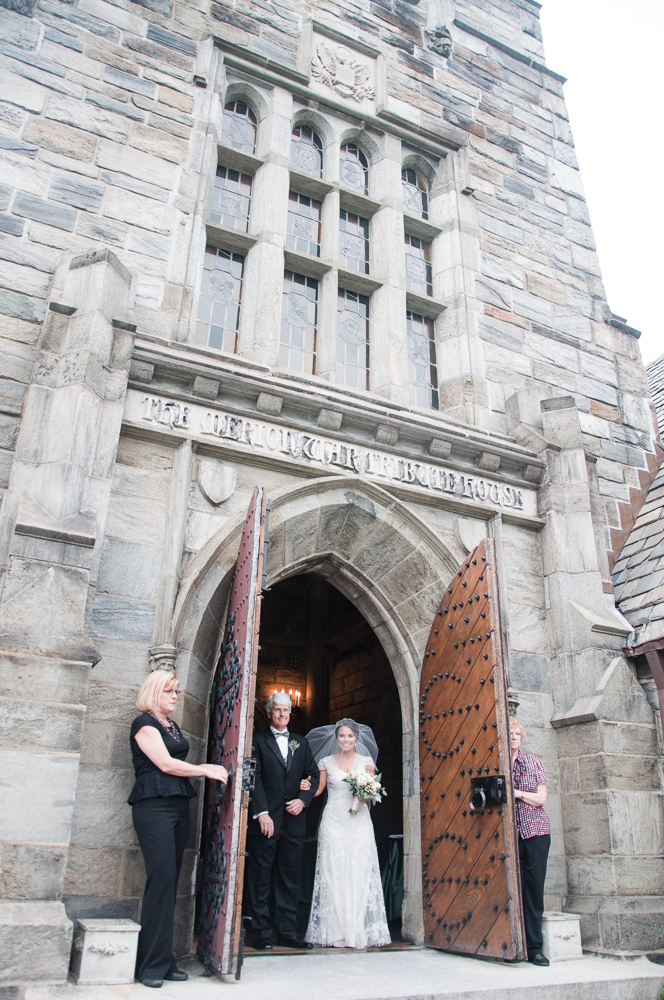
x=533, y=856
x=162, y=825
x=275, y=861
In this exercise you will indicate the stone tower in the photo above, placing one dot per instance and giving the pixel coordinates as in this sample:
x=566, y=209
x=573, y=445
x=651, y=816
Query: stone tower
x=340, y=249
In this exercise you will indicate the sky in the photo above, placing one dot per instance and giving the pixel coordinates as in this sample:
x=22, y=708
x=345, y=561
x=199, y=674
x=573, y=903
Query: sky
x=612, y=57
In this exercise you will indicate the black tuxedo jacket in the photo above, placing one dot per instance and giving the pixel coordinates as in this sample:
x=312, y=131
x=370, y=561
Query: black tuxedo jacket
x=278, y=781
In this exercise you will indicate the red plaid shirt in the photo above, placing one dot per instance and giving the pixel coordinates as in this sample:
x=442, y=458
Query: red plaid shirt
x=527, y=773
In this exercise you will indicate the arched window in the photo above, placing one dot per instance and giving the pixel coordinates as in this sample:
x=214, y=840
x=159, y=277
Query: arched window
x=239, y=126
x=414, y=193
x=354, y=169
x=306, y=151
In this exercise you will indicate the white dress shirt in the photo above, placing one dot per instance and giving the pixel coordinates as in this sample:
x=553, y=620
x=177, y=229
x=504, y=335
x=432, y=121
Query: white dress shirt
x=281, y=737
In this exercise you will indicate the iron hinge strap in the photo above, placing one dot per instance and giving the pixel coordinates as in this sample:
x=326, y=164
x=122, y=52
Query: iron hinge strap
x=248, y=774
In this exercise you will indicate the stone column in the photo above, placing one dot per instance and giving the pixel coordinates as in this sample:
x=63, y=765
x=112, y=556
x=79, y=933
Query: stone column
x=605, y=729
x=326, y=351
x=258, y=336
x=50, y=537
x=389, y=354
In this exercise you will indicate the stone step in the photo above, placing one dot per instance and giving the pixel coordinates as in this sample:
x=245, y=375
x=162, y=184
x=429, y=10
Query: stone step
x=403, y=975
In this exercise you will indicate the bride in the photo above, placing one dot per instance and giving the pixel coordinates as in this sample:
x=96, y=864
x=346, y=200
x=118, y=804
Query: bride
x=347, y=909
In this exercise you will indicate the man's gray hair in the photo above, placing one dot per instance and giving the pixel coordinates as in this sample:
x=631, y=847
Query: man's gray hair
x=278, y=698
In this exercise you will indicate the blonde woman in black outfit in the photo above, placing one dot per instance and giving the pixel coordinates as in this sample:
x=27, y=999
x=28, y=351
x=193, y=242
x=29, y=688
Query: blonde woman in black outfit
x=160, y=811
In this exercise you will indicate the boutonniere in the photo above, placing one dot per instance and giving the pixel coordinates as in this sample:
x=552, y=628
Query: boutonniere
x=293, y=746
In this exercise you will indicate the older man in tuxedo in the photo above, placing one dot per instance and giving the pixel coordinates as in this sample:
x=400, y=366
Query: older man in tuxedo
x=277, y=826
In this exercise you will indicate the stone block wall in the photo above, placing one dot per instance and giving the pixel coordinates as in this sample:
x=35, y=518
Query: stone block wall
x=110, y=130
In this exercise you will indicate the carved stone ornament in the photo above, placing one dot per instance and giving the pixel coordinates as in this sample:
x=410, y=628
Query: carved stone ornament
x=337, y=67
x=440, y=40
x=216, y=480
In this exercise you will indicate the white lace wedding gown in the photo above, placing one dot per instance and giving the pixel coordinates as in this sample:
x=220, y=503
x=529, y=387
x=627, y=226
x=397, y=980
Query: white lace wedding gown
x=347, y=908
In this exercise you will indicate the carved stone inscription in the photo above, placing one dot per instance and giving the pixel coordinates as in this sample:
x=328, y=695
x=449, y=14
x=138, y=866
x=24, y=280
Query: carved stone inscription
x=263, y=438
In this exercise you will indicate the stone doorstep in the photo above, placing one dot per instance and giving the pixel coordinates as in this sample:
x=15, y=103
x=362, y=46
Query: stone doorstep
x=405, y=975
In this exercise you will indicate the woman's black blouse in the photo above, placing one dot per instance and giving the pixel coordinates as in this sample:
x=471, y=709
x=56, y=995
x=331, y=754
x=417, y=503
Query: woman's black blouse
x=150, y=780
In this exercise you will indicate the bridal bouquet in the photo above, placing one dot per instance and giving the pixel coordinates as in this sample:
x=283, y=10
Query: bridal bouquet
x=366, y=787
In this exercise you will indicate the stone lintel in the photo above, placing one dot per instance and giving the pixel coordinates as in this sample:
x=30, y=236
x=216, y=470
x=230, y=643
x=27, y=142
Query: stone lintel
x=267, y=403
x=439, y=448
x=488, y=462
x=141, y=371
x=386, y=434
x=207, y=388
x=329, y=420
x=533, y=473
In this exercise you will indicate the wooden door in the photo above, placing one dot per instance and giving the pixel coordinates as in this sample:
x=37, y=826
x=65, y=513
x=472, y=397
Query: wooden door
x=231, y=731
x=470, y=864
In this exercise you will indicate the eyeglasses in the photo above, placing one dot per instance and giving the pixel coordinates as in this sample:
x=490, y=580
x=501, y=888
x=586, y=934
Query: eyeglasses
x=171, y=691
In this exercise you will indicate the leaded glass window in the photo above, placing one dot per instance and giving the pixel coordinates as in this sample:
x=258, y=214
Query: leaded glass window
x=219, y=301
x=353, y=340
x=231, y=199
x=353, y=169
x=239, y=126
x=418, y=265
x=354, y=242
x=303, y=224
x=306, y=151
x=422, y=368
x=299, y=323
x=414, y=194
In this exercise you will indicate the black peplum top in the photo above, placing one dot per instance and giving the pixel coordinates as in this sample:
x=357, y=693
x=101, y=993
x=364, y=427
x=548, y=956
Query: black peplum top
x=150, y=780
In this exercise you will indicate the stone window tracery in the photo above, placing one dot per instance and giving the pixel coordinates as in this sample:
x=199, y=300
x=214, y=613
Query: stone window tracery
x=352, y=363
x=422, y=366
x=415, y=193
x=240, y=126
x=418, y=265
x=353, y=242
x=231, y=199
x=353, y=169
x=303, y=232
x=306, y=151
x=299, y=323
x=219, y=300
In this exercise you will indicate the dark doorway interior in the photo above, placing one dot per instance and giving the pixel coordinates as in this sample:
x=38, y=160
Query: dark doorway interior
x=315, y=642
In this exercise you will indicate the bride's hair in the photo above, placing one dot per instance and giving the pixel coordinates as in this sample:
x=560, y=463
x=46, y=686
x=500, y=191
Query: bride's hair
x=350, y=724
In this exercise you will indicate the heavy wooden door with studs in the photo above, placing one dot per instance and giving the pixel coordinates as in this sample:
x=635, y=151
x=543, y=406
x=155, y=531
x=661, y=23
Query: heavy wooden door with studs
x=230, y=741
x=470, y=864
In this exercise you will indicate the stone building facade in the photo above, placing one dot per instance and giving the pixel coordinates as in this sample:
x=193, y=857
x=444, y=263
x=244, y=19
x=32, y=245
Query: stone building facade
x=339, y=249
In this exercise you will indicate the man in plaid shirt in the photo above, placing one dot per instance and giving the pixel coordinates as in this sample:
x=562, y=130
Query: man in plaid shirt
x=534, y=834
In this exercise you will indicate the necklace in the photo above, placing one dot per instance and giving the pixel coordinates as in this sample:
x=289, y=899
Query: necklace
x=170, y=727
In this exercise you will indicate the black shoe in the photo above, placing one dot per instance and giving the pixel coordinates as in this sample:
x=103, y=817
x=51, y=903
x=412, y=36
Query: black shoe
x=176, y=976
x=262, y=944
x=538, y=959
x=292, y=941
x=154, y=983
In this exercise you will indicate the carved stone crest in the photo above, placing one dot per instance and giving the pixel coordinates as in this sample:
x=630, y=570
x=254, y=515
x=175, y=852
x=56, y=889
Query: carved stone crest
x=440, y=40
x=216, y=480
x=339, y=68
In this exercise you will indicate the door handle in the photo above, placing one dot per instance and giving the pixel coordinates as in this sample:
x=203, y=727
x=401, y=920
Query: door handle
x=477, y=801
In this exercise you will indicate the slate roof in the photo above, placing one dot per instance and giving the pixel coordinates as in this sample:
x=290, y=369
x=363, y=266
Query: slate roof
x=638, y=576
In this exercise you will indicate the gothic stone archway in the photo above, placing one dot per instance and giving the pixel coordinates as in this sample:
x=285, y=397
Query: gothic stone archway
x=382, y=558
